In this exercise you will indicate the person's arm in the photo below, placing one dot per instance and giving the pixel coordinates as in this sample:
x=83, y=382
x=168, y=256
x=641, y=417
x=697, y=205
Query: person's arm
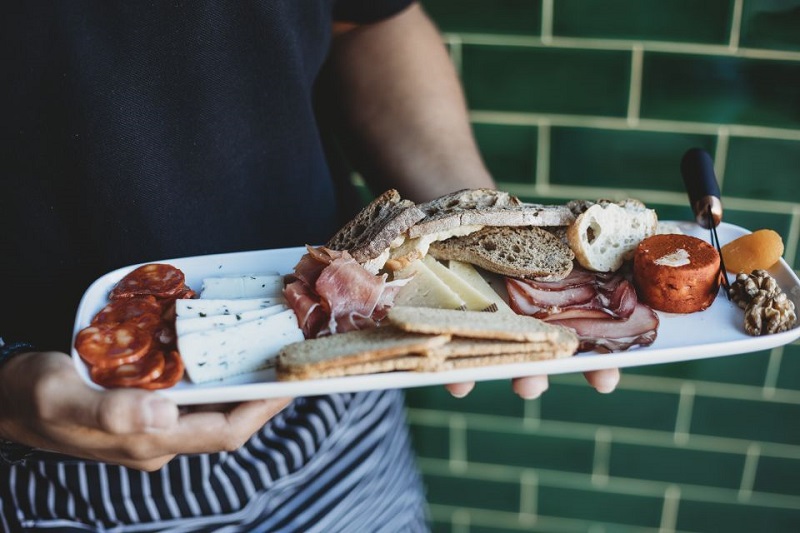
x=407, y=126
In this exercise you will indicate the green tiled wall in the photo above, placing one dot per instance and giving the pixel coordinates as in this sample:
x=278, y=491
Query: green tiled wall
x=600, y=98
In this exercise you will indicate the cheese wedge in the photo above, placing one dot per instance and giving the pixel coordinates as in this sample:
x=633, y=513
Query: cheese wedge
x=231, y=350
x=473, y=299
x=469, y=274
x=255, y=286
x=184, y=326
x=195, y=308
x=426, y=289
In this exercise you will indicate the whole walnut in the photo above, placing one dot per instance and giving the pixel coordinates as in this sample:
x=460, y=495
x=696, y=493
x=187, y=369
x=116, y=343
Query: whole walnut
x=745, y=288
x=769, y=314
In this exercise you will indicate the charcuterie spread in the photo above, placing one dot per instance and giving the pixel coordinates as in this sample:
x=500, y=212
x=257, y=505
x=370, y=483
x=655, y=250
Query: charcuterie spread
x=474, y=279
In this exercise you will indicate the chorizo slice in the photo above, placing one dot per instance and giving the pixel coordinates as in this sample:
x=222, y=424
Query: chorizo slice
x=173, y=372
x=110, y=345
x=154, y=279
x=136, y=374
x=145, y=312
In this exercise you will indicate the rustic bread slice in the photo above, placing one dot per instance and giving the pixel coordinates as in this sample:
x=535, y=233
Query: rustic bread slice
x=475, y=324
x=371, y=232
x=484, y=207
x=353, y=347
x=523, y=252
x=605, y=235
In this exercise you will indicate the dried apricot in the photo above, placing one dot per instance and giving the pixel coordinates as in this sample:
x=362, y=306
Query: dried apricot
x=758, y=250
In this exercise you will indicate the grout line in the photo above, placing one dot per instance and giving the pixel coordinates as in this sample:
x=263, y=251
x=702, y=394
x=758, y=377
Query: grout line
x=532, y=415
x=458, y=443
x=736, y=26
x=790, y=250
x=772, y=373
x=461, y=520
x=669, y=511
x=619, y=123
x=456, y=53
x=749, y=473
x=525, y=41
x=547, y=21
x=543, y=155
x=683, y=418
x=602, y=457
x=721, y=154
x=635, y=90
x=528, y=496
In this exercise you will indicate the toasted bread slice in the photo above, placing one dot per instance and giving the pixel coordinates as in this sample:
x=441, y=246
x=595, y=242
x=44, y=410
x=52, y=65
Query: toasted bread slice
x=371, y=232
x=606, y=234
x=485, y=207
x=353, y=347
x=476, y=324
x=522, y=252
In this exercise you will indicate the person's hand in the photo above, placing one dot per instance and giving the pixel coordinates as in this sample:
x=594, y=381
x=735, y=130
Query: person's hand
x=44, y=403
x=531, y=387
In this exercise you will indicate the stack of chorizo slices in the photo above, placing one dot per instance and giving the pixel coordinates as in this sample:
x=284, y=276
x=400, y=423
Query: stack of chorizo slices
x=131, y=341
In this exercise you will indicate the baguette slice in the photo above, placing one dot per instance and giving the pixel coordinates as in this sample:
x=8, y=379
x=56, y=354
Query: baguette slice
x=522, y=252
x=353, y=347
x=606, y=234
x=476, y=324
x=371, y=232
x=485, y=207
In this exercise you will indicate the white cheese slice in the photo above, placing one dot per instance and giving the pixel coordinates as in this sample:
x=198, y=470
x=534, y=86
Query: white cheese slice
x=468, y=273
x=255, y=286
x=184, y=326
x=426, y=289
x=474, y=300
x=198, y=307
x=228, y=351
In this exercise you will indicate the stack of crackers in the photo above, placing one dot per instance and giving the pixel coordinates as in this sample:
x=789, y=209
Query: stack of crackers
x=428, y=340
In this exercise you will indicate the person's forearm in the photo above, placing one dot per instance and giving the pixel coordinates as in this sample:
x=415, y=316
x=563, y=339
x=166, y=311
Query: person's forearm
x=404, y=108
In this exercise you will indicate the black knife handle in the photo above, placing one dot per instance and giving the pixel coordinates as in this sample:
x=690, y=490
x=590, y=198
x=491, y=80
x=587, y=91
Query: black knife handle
x=697, y=169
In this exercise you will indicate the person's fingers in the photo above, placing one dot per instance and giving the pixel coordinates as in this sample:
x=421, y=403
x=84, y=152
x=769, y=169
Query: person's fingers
x=459, y=390
x=605, y=380
x=530, y=387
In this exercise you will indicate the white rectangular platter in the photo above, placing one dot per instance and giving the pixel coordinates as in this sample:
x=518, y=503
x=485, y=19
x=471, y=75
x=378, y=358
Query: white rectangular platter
x=717, y=331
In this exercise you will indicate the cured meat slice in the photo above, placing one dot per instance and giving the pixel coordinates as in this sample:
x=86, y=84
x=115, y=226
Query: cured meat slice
x=110, y=345
x=350, y=292
x=545, y=302
x=306, y=304
x=615, y=334
x=145, y=312
x=154, y=279
x=134, y=374
x=172, y=374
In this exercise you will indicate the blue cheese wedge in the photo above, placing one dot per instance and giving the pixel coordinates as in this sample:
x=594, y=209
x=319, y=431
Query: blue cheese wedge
x=197, y=308
x=184, y=326
x=250, y=286
x=227, y=351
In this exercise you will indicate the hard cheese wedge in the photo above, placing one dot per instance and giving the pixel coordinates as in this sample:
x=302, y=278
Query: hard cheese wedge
x=473, y=299
x=469, y=274
x=426, y=289
x=226, y=351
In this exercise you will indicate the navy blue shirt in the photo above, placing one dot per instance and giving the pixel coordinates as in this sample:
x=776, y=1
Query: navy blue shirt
x=142, y=131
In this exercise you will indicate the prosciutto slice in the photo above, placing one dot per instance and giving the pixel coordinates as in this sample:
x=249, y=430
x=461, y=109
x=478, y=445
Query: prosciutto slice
x=612, y=335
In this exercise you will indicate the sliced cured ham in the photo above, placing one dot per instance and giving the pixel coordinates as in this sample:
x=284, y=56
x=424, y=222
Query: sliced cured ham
x=612, y=335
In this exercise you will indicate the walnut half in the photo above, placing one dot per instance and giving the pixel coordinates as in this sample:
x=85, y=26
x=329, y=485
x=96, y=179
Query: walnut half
x=769, y=314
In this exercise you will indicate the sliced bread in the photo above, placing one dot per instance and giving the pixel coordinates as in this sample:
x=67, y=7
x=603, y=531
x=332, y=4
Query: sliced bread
x=606, y=234
x=485, y=207
x=371, y=232
x=475, y=324
x=523, y=252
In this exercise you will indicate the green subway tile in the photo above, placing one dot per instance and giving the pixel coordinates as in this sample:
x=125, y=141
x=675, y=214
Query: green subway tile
x=743, y=369
x=536, y=451
x=467, y=492
x=789, y=377
x=509, y=151
x=676, y=20
x=720, y=90
x=546, y=80
x=771, y=24
x=673, y=212
x=765, y=169
x=778, y=475
x=440, y=527
x=752, y=220
x=431, y=442
x=488, y=397
x=744, y=419
x=600, y=505
x=581, y=403
x=523, y=17
x=733, y=517
x=676, y=465
x=620, y=158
